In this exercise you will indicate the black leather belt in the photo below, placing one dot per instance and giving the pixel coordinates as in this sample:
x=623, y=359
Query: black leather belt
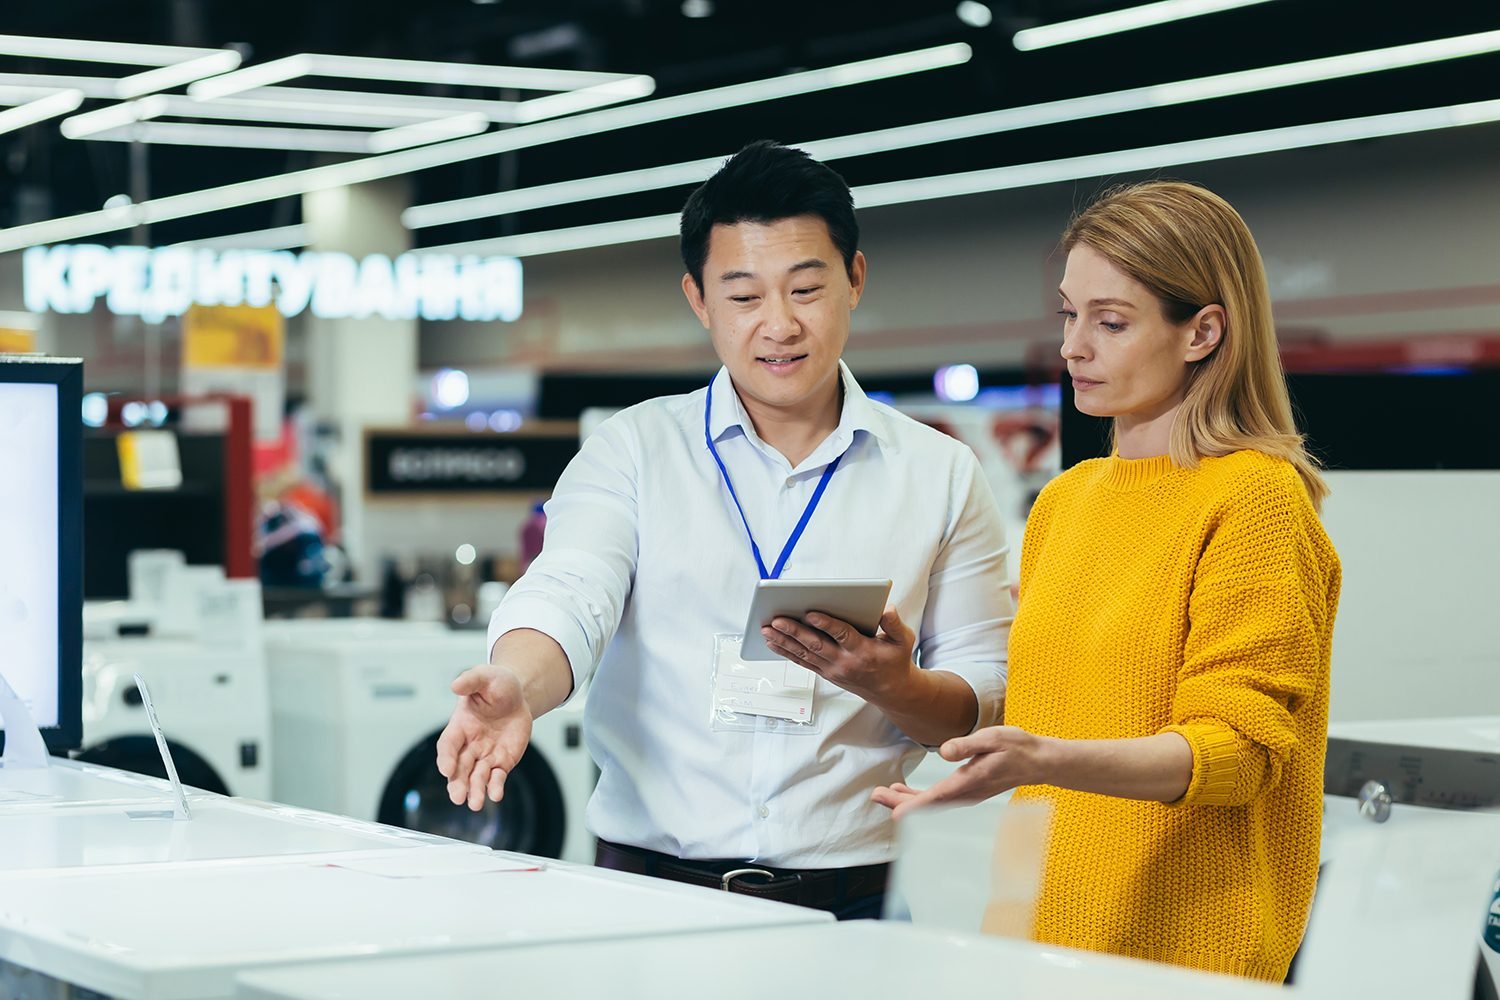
x=819, y=888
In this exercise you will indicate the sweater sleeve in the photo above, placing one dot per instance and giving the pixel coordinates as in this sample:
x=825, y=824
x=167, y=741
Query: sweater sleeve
x=1254, y=651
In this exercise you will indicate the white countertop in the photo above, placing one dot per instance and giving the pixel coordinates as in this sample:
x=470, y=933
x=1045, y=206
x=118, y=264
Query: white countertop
x=69, y=782
x=157, y=932
x=143, y=832
x=866, y=959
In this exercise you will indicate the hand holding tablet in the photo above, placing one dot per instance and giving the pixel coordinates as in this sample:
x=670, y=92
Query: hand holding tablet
x=858, y=602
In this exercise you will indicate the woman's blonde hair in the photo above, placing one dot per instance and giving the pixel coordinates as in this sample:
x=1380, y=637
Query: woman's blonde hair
x=1192, y=249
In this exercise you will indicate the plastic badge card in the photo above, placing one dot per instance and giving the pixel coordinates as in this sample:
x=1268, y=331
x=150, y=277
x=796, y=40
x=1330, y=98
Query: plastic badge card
x=777, y=689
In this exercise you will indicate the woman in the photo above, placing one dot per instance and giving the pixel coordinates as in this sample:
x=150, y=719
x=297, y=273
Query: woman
x=1169, y=660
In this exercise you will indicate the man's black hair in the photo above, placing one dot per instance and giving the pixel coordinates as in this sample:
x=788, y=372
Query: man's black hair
x=766, y=182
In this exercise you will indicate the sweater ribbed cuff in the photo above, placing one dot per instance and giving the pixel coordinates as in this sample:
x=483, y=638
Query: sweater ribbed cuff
x=1216, y=763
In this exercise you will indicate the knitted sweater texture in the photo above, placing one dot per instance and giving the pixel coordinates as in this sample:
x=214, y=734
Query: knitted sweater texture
x=1198, y=601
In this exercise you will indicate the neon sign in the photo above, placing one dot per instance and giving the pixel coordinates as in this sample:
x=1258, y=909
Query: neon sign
x=166, y=281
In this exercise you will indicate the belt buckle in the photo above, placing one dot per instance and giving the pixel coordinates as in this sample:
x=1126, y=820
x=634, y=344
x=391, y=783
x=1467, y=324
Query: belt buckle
x=727, y=879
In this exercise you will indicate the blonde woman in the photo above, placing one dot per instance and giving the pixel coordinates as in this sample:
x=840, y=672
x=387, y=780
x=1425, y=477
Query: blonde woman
x=1169, y=662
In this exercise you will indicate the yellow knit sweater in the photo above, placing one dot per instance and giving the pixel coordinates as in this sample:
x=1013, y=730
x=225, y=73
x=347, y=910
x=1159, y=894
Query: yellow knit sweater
x=1197, y=601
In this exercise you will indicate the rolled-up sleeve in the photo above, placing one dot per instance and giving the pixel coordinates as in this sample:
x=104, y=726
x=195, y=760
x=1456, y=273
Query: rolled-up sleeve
x=966, y=625
x=575, y=591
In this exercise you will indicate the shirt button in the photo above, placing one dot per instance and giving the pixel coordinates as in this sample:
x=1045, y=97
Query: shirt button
x=764, y=812
x=791, y=481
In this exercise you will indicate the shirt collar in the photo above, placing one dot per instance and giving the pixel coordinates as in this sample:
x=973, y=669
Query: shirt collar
x=859, y=413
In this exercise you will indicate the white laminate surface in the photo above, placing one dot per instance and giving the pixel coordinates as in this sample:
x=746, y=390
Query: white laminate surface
x=168, y=932
x=865, y=959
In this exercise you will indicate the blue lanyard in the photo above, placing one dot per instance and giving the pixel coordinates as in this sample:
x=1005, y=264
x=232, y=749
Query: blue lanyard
x=812, y=505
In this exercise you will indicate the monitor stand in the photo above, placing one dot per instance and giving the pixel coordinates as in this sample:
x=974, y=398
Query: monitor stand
x=24, y=746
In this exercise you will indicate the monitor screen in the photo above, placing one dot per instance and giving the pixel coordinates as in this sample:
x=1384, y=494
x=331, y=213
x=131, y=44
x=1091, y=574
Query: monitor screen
x=40, y=546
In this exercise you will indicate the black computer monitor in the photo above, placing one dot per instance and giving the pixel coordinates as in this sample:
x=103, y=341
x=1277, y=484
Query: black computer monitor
x=41, y=541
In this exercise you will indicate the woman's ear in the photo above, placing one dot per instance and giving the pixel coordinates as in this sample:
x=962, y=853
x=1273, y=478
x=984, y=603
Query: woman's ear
x=1206, y=332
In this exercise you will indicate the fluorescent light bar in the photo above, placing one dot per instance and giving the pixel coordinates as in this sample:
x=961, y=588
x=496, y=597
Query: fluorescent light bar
x=400, y=71
x=561, y=193
x=280, y=238
x=458, y=150
x=80, y=50
x=968, y=126
x=24, y=95
x=40, y=110
x=236, y=136
x=92, y=86
x=601, y=234
x=1030, y=174
x=414, y=106
x=425, y=132
x=293, y=113
x=459, y=74
x=176, y=75
x=1116, y=21
x=275, y=71
x=574, y=101
x=113, y=117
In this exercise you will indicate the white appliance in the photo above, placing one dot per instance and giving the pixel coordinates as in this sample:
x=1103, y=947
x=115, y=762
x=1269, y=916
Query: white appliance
x=212, y=702
x=207, y=674
x=356, y=711
x=1396, y=772
x=179, y=930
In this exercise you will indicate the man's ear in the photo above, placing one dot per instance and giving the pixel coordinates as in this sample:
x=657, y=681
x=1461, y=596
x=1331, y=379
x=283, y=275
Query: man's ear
x=695, y=298
x=858, y=269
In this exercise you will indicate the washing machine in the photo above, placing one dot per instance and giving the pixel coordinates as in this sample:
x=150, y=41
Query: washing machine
x=356, y=710
x=1383, y=774
x=211, y=700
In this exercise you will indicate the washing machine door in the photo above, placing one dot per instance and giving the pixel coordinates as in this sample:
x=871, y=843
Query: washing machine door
x=529, y=819
x=138, y=754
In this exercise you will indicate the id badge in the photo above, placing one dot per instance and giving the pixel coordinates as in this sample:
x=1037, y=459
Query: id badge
x=760, y=694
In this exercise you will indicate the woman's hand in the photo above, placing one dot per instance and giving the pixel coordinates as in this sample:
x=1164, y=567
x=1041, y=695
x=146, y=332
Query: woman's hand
x=999, y=758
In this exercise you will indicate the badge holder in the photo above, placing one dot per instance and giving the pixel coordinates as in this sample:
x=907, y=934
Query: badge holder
x=766, y=695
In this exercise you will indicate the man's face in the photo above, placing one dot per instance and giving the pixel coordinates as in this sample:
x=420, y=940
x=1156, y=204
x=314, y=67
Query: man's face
x=776, y=300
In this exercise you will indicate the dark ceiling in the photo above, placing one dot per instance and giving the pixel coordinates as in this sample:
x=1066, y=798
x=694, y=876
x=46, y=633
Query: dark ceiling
x=46, y=175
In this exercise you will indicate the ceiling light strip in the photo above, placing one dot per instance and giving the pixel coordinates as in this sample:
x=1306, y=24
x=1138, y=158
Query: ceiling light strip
x=1031, y=174
x=1115, y=21
x=458, y=150
x=115, y=116
x=280, y=238
x=969, y=126
x=234, y=136
x=92, y=86
x=400, y=71
x=424, y=132
x=40, y=110
x=167, y=77
x=82, y=50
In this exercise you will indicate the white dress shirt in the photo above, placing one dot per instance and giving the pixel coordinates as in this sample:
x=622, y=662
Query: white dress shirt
x=646, y=560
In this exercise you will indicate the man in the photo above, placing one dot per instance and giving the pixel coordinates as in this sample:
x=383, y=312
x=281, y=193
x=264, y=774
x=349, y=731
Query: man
x=672, y=511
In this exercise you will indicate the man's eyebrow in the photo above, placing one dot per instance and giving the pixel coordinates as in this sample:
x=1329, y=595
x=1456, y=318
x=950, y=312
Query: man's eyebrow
x=812, y=263
x=802, y=265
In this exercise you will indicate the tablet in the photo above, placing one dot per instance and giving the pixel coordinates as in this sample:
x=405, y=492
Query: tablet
x=858, y=602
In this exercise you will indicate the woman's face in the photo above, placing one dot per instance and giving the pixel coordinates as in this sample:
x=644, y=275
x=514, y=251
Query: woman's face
x=1126, y=359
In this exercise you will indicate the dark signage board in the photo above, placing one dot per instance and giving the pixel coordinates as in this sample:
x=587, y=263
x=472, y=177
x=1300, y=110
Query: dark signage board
x=405, y=462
